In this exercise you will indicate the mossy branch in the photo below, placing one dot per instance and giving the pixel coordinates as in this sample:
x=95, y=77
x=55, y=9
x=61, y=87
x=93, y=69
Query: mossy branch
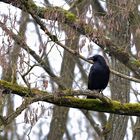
x=66, y=98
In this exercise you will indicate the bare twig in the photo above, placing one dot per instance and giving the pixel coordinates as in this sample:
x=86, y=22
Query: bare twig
x=55, y=39
x=24, y=46
x=81, y=27
x=75, y=52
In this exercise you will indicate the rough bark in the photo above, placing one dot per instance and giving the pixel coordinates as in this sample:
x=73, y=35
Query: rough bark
x=120, y=34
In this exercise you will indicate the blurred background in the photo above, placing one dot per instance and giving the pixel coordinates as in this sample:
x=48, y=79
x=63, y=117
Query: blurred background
x=114, y=19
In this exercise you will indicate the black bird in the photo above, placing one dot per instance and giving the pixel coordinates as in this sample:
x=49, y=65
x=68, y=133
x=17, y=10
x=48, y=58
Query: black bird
x=99, y=74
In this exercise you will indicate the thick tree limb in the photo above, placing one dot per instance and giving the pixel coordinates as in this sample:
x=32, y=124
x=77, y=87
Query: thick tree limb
x=60, y=98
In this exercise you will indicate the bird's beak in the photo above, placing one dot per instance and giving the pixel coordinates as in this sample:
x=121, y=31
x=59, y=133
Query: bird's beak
x=90, y=59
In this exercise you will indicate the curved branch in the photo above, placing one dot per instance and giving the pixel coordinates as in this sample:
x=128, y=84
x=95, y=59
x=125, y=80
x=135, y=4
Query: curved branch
x=54, y=38
x=78, y=25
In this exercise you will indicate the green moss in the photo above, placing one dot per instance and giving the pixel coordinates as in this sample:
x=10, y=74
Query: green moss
x=67, y=91
x=70, y=17
x=116, y=105
x=126, y=107
x=20, y=90
x=132, y=109
x=130, y=106
x=121, y=54
x=107, y=128
x=88, y=29
x=121, y=51
x=44, y=12
x=14, y=87
x=108, y=125
x=136, y=63
x=87, y=103
x=31, y=5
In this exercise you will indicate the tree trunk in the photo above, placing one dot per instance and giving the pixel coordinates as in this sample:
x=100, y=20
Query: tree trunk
x=120, y=88
x=60, y=114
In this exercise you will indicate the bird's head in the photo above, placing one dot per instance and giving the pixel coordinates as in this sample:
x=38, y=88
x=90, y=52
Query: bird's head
x=97, y=58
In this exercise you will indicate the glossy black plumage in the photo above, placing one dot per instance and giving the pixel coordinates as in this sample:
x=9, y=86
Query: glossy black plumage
x=99, y=73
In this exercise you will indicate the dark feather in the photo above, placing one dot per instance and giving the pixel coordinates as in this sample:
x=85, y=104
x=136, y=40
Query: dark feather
x=99, y=74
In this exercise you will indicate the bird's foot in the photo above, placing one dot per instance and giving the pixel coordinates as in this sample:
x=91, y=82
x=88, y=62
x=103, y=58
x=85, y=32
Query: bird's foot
x=104, y=98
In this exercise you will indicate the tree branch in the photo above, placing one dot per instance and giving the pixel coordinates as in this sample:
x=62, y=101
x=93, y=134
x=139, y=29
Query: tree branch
x=83, y=28
x=61, y=98
x=65, y=17
x=19, y=40
x=54, y=38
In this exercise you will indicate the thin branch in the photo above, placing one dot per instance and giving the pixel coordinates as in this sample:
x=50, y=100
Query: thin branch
x=125, y=76
x=76, y=53
x=39, y=60
x=18, y=111
x=31, y=67
x=7, y=120
x=55, y=39
x=92, y=122
x=65, y=17
x=19, y=40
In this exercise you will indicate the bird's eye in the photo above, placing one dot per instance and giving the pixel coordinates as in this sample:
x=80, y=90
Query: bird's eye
x=94, y=59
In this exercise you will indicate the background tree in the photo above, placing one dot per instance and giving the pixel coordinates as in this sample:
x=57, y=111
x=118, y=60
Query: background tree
x=45, y=48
